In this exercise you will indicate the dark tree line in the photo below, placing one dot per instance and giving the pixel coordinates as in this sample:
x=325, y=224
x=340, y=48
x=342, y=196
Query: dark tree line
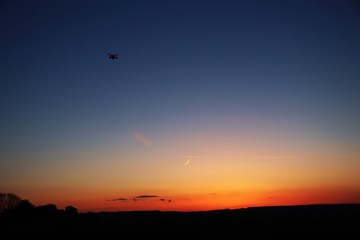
x=9, y=201
x=13, y=208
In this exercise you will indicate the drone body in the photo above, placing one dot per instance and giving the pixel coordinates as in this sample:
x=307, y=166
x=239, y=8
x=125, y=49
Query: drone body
x=113, y=55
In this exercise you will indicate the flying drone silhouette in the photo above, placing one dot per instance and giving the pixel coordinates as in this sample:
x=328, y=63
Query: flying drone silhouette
x=113, y=55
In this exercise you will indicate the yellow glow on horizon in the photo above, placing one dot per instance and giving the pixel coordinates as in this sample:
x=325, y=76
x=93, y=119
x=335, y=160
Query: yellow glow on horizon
x=213, y=174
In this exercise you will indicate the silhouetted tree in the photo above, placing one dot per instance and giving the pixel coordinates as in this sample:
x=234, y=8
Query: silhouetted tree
x=8, y=201
x=48, y=212
x=71, y=211
x=25, y=206
x=47, y=208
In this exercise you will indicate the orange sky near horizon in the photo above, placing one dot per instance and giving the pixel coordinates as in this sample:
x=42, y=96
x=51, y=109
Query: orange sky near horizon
x=219, y=175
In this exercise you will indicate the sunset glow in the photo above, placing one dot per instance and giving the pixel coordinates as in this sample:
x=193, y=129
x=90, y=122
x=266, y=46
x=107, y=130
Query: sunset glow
x=210, y=105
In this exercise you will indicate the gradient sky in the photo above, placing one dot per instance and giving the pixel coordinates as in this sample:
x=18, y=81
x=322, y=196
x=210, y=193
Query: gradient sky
x=211, y=104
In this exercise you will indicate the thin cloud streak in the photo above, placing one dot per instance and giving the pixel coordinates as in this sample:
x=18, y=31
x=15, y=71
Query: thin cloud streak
x=142, y=139
x=146, y=196
x=136, y=198
x=189, y=158
x=193, y=156
x=187, y=162
x=119, y=199
x=275, y=157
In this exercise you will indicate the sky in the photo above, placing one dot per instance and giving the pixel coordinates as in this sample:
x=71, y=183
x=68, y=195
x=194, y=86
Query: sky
x=210, y=105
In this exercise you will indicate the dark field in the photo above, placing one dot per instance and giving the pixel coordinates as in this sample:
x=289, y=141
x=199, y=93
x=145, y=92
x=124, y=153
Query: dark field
x=341, y=221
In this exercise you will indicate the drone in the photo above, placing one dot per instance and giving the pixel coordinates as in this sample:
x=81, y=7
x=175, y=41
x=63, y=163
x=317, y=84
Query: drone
x=113, y=55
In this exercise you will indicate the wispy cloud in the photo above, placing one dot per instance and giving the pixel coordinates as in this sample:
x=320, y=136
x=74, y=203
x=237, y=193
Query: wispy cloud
x=275, y=157
x=189, y=158
x=187, y=161
x=119, y=199
x=139, y=198
x=141, y=138
x=193, y=156
x=146, y=196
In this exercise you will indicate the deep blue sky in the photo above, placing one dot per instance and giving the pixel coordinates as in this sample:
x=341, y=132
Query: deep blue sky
x=181, y=64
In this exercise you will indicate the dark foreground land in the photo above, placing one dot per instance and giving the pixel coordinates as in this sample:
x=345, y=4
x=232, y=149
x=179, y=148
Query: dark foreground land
x=341, y=221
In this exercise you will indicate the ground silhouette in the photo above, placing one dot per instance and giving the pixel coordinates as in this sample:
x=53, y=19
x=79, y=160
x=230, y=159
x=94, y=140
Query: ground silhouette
x=286, y=222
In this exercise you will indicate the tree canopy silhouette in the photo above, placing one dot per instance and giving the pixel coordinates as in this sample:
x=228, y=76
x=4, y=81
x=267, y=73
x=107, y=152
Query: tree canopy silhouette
x=9, y=201
x=71, y=211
